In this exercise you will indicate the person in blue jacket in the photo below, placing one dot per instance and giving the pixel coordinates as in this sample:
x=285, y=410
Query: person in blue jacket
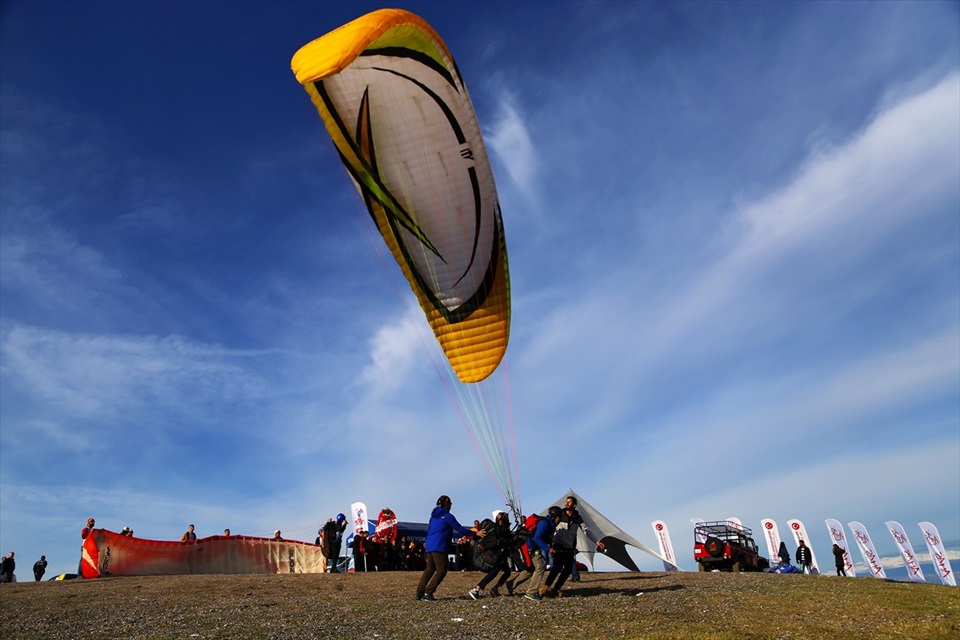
x=439, y=534
x=539, y=546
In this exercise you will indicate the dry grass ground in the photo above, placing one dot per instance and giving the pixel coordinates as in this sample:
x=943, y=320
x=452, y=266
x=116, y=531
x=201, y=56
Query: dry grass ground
x=603, y=605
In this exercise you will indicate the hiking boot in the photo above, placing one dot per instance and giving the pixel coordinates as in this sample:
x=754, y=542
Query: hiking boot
x=544, y=590
x=474, y=593
x=532, y=596
x=557, y=593
x=495, y=591
x=427, y=597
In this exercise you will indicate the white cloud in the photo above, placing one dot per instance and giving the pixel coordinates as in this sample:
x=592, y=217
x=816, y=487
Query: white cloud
x=43, y=262
x=509, y=139
x=903, y=162
x=102, y=378
x=393, y=351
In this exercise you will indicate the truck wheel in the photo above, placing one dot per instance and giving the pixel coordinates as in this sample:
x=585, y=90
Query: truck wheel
x=714, y=547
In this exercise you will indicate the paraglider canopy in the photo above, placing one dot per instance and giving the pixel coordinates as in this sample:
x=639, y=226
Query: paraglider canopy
x=398, y=113
x=394, y=104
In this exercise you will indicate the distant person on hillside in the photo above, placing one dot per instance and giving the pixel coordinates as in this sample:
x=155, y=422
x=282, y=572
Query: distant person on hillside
x=189, y=535
x=7, y=566
x=333, y=539
x=323, y=549
x=804, y=557
x=439, y=533
x=39, y=568
x=91, y=523
x=838, y=553
x=226, y=533
x=359, y=546
x=783, y=553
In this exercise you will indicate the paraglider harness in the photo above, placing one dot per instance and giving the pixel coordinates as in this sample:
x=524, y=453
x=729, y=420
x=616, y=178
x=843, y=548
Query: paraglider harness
x=498, y=543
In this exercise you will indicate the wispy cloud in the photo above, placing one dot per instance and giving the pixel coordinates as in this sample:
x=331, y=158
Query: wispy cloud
x=509, y=139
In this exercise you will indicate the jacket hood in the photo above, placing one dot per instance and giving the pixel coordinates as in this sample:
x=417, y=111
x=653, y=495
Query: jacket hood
x=438, y=512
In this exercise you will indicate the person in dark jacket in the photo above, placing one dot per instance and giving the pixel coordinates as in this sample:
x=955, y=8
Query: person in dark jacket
x=361, y=546
x=502, y=549
x=39, y=568
x=783, y=553
x=7, y=567
x=564, y=547
x=838, y=556
x=333, y=539
x=804, y=557
x=439, y=533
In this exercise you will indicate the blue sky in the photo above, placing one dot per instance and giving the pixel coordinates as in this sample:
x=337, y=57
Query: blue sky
x=734, y=239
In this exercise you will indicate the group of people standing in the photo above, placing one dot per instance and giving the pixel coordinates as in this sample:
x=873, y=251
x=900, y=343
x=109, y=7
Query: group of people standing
x=804, y=558
x=8, y=565
x=386, y=553
x=540, y=539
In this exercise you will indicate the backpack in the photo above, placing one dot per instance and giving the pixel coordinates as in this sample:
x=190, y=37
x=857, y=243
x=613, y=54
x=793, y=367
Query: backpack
x=531, y=522
x=531, y=525
x=489, y=542
x=486, y=550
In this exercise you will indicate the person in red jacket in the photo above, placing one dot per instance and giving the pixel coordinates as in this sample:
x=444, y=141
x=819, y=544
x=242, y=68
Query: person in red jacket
x=87, y=530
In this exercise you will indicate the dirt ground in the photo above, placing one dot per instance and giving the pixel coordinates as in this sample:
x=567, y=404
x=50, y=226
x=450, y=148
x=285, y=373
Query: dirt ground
x=382, y=605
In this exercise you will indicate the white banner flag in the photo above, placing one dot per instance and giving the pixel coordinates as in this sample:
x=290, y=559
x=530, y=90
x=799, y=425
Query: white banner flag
x=836, y=534
x=938, y=555
x=800, y=533
x=906, y=551
x=666, y=546
x=359, y=512
x=698, y=537
x=867, y=549
x=772, y=535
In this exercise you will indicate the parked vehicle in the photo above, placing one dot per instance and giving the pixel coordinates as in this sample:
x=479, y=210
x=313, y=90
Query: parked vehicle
x=725, y=546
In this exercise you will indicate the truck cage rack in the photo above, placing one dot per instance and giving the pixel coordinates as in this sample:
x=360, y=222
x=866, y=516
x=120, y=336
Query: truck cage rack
x=723, y=529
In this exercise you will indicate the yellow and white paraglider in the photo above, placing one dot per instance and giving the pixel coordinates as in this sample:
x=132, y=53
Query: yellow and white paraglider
x=398, y=112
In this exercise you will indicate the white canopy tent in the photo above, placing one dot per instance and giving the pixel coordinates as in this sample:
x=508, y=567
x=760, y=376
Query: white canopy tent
x=613, y=537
